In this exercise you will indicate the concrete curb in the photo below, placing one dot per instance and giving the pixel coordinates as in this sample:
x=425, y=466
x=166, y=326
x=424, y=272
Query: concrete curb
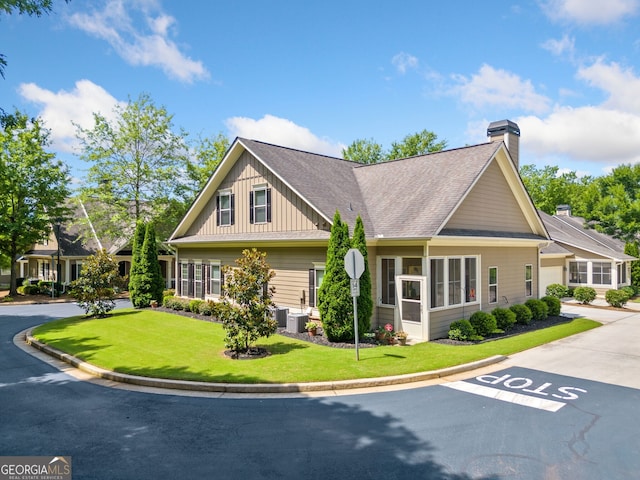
x=256, y=388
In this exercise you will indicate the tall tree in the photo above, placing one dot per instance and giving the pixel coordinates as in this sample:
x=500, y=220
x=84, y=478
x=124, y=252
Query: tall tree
x=364, y=151
x=368, y=151
x=136, y=265
x=33, y=187
x=334, y=296
x=146, y=283
x=365, y=300
x=549, y=188
x=419, y=143
x=137, y=166
x=208, y=153
x=631, y=248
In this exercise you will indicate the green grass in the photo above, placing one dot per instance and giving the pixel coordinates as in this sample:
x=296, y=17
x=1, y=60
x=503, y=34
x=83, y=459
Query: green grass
x=159, y=344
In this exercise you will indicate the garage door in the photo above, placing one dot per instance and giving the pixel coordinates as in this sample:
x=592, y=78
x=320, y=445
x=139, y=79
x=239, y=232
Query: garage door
x=549, y=275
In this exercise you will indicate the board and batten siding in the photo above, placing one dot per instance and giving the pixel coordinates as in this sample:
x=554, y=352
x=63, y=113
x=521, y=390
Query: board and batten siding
x=490, y=205
x=288, y=211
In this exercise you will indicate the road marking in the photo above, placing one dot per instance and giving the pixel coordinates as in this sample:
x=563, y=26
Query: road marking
x=503, y=395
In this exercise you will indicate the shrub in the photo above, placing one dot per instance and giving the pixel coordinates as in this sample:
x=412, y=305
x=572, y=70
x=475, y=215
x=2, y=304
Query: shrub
x=194, y=305
x=616, y=298
x=169, y=292
x=167, y=301
x=505, y=318
x=523, y=314
x=179, y=304
x=539, y=309
x=483, y=323
x=31, y=289
x=206, y=308
x=557, y=290
x=631, y=291
x=20, y=290
x=553, y=304
x=584, y=295
x=462, y=330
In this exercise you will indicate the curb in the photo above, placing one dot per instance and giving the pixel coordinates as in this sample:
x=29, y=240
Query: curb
x=255, y=388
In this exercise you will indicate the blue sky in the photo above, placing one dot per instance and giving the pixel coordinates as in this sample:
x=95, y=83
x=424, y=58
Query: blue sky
x=318, y=75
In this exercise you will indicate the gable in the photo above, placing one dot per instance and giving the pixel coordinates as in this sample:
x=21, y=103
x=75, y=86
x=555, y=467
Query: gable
x=288, y=211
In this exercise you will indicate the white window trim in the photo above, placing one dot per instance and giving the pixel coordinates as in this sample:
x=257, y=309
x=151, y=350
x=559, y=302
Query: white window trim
x=226, y=192
x=530, y=281
x=613, y=272
x=492, y=284
x=184, y=280
x=316, y=267
x=397, y=261
x=463, y=296
x=215, y=263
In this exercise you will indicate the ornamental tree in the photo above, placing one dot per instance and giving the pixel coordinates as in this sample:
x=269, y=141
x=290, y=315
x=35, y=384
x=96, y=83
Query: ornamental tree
x=96, y=288
x=146, y=283
x=246, y=302
x=364, y=301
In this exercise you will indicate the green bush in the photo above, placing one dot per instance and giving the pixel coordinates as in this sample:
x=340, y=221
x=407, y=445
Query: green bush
x=553, y=304
x=505, y=318
x=206, y=308
x=167, y=301
x=523, y=314
x=557, y=290
x=31, y=289
x=179, y=304
x=584, y=295
x=20, y=290
x=630, y=290
x=539, y=309
x=616, y=298
x=483, y=323
x=462, y=330
x=169, y=292
x=194, y=305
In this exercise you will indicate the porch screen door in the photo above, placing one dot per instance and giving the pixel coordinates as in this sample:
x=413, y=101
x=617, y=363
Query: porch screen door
x=412, y=295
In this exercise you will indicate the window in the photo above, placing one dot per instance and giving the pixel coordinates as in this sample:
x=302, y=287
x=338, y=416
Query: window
x=44, y=270
x=493, y=284
x=528, y=280
x=197, y=281
x=388, y=287
x=578, y=272
x=184, y=279
x=601, y=273
x=622, y=273
x=316, y=275
x=225, y=208
x=437, y=282
x=412, y=266
x=455, y=281
x=260, y=205
x=76, y=270
x=470, y=279
x=214, y=279
x=446, y=287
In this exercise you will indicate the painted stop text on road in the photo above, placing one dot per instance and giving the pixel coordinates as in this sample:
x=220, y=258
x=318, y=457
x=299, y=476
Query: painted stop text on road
x=521, y=390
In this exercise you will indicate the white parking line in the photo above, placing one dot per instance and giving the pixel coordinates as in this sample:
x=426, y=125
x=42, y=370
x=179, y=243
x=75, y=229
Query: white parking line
x=503, y=395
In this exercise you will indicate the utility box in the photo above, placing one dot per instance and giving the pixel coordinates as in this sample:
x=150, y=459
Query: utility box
x=296, y=322
x=281, y=316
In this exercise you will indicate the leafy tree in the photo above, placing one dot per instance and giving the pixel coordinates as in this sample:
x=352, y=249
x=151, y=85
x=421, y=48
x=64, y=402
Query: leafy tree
x=364, y=151
x=548, y=188
x=23, y=7
x=364, y=301
x=145, y=283
x=368, y=151
x=246, y=301
x=33, y=187
x=209, y=152
x=137, y=166
x=631, y=248
x=96, y=287
x=335, y=303
x=419, y=143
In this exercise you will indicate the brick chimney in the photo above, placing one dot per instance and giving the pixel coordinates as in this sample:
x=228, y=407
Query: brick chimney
x=509, y=132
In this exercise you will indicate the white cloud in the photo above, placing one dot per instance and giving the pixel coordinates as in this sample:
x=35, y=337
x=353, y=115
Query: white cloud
x=60, y=109
x=281, y=131
x=153, y=47
x=492, y=87
x=560, y=47
x=622, y=85
x=588, y=12
x=404, y=61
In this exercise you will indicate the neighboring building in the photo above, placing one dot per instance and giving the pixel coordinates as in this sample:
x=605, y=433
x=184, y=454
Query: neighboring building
x=581, y=256
x=68, y=245
x=448, y=233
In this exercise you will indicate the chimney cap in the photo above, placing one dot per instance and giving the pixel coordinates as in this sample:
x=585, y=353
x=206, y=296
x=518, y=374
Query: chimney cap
x=501, y=127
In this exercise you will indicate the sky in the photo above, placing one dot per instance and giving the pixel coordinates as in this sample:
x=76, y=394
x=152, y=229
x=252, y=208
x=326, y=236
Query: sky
x=318, y=75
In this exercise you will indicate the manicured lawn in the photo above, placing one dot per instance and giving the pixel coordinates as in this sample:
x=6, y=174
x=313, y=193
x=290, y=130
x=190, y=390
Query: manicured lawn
x=159, y=344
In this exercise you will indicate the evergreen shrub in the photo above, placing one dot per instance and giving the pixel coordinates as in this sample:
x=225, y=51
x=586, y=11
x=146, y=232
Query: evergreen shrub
x=616, y=298
x=539, y=309
x=505, y=318
x=483, y=323
x=523, y=314
x=462, y=330
x=584, y=295
x=553, y=304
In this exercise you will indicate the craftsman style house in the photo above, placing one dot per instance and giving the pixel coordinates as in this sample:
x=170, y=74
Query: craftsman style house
x=448, y=233
x=581, y=256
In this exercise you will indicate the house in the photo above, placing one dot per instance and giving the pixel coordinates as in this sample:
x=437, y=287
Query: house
x=580, y=256
x=448, y=233
x=62, y=254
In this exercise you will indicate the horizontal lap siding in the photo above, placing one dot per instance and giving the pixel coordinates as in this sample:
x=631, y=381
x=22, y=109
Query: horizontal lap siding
x=440, y=320
x=288, y=211
x=490, y=205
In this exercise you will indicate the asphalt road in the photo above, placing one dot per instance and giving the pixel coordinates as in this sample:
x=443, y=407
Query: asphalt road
x=509, y=422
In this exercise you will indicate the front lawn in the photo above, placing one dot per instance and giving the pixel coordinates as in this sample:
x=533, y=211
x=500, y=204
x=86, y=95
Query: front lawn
x=165, y=345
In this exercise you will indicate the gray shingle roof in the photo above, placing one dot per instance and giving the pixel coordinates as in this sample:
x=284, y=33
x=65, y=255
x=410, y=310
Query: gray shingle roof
x=570, y=231
x=408, y=198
